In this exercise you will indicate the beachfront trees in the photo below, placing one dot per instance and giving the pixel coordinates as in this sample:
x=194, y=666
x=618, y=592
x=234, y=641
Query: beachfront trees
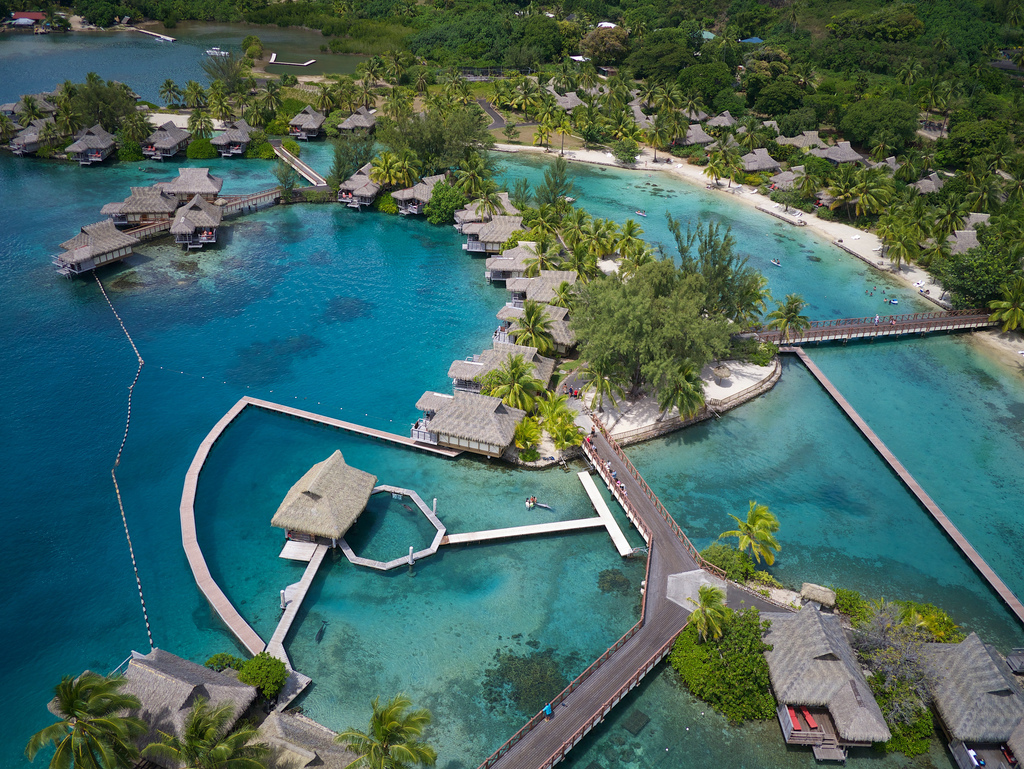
x=228, y=69
x=788, y=316
x=199, y=124
x=93, y=730
x=385, y=169
x=756, y=533
x=288, y=179
x=682, y=388
x=603, y=381
x=352, y=151
x=195, y=95
x=205, y=742
x=1010, y=309
x=170, y=92
x=393, y=739
x=440, y=139
x=472, y=176
x=533, y=328
x=557, y=184
x=514, y=382
x=709, y=612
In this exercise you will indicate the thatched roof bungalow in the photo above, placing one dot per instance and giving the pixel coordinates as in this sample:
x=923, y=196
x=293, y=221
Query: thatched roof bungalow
x=44, y=102
x=839, y=154
x=695, y=116
x=759, y=160
x=695, y=134
x=91, y=145
x=97, y=244
x=473, y=211
x=360, y=120
x=541, y=288
x=165, y=142
x=723, y=120
x=469, y=421
x=930, y=183
x=413, y=200
x=297, y=741
x=144, y=206
x=567, y=101
x=512, y=263
x=806, y=140
x=234, y=140
x=467, y=375
x=195, y=224
x=824, y=700
x=191, y=182
x=562, y=334
x=308, y=124
x=786, y=180
x=29, y=139
x=359, y=189
x=488, y=237
x=325, y=501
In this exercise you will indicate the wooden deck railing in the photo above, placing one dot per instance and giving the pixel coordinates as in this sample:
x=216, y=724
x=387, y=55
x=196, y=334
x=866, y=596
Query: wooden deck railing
x=888, y=325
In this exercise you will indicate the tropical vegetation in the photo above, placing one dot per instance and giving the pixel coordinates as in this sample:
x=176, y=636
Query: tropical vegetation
x=207, y=743
x=756, y=533
x=392, y=740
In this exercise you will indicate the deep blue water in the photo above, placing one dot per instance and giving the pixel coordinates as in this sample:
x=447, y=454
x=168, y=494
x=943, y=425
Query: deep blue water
x=355, y=315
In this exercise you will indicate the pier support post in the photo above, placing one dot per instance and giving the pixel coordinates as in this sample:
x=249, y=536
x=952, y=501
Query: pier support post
x=284, y=604
x=412, y=559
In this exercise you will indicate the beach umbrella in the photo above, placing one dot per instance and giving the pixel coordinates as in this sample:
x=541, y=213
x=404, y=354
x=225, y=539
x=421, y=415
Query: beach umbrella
x=721, y=371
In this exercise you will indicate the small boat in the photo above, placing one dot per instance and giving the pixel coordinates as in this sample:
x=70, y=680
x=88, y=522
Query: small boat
x=893, y=301
x=217, y=52
x=776, y=262
x=641, y=213
x=320, y=632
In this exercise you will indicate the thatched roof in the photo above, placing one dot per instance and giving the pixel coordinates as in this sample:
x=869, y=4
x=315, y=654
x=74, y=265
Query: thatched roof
x=360, y=183
x=772, y=126
x=964, y=241
x=422, y=191
x=499, y=229
x=472, y=213
x=811, y=592
x=488, y=360
x=974, y=218
x=30, y=133
x=973, y=690
x=639, y=117
x=560, y=330
x=297, y=741
x=840, y=153
x=1016, y=740
x=143, y=200
x=805, y=140
x=696, y=116
x=197, y=214
x=235, y=133
x=760, y=160
x=889, y=164
x=167, y=136
x=193, y=181
x=326, y=500
x=513, y=313
x=931, y=183
x=811, y=663
x=94, y=138
x=309, y=119
x=568, y=101
x=696, y=134
x=542, y=288
x=95, y=240
x=786, y=180
x=361, y=119
x=723, y=120
x=168, y=686
x=472, y=417
x=513, y=259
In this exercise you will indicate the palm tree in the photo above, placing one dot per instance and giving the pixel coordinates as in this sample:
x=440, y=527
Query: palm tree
x=546, y=256
x=757, y=533
x=1010, y=309
x=136, y=127
x=392, y=741
x=630, y=238
x=385, y=170
x=489, y=203
x=715, y=169
x=843, y=188
x=604, y=379
x=472, y=176
x=901, y=245
x=407, y=168
x=205, y=742
x=710, y=612
x=514, y=382
x=28, y=110
x=542, y=135
x=682, y=388
x=630, y=265
x=533, y=328
x=873, y=191
x=660, y=134
x=92, y=731
x=563, y=128
x=527, y=434
x=787, y=316
x=49, y=133
x=199, y=124
x=220, y=105
x=271, y=99
x=68, y=121
x=574, y=227
x=7, y=129
x=195, y=95
x=564, y=295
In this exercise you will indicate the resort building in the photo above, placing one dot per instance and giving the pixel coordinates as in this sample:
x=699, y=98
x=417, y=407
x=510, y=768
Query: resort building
x=695, y=134
x=91, y=145
x=359, y=189
x=14, y=109
x=191, y=182
x=468, y=375
x=469, y=421
x=805, y=141
x=196, y=222
x=168, y=686
x=488, y=237
x=165, y=142
x=839, y=154
x=413, y=200
x=786, y=180
x=474, y=212
x=540, y=289
x=146, y=205
x=723, y=120
x=308, y=124
x=695, y=116
x=362, y=119
x=824, y=700
x=234, y=140
x=966, y=238
x=643, y=121
x=298, y=741
x=96, y=245
x=567, y=101
x=30, y=138
x=512, y=263
x=563, y=336
x=325, y=502
x=980, y=705
x=931, y=183
x=759, y=160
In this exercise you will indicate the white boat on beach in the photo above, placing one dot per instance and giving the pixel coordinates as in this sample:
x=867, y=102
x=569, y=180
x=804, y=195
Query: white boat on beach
x=217, y=52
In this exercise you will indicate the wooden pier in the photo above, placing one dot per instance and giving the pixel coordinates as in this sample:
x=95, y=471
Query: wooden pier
x=794, y=218
x=294, y=595
x=273, y=60
x=531, y=530
x=405, y=560
x=847, y=329
x=165, y=38
x=618, y=538
x=926, y=501
x=234, y=204
x=303, y=170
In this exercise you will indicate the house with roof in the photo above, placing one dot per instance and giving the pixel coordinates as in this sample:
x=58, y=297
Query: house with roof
x=95, y=245
x=823, y=698
x=195, y=223
x=412, y=200
x=966, y=238
x=468, y=374
x=297, y=741
x=979, y=703
x=723, y=120
x=561, y=333
x=191, y=182
x=359, y=189
x=759, y=160
x=787, y=180
x=567, y=101
x=804, y=141
x=145, y=205
x=362, y=119
x=540, y=288
x=467, y=420
x=930, y=183
x=695, y=134
x=487, y=237
x=838, y=154
x=308, y=124
x=91, y=145
x=166, y=142
x=43, y=102
x=234, y=140
x=30, y=138
x=325, y=502
x=474, y=211
x=512, y=263
x=695, y=115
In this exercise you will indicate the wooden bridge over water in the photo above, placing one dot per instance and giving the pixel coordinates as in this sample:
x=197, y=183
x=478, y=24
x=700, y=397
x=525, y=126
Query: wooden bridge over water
x=848, y=329
x=301, y=168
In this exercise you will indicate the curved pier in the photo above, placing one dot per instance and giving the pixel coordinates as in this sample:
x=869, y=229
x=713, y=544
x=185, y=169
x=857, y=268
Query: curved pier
x=926, y=501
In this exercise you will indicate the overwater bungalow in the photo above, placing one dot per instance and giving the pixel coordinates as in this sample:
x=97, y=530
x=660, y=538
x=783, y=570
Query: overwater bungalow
x=839, y=154
x=512, y=263
x=30, y=140
x=489, y=236
x=470, y=421
x=562, y=334
x=722, y=120
x=146, y=205
x=980, y=705
x=359, y=189
x=467, y=375
x=413, y=200
x=325, y=502
x=823, y=699
x=43, y=102
x=473, y=212
x=759, y=160
x=165, y=142
x=168, y=686
x=191, y=182
x=96, y=245
x=362, y=119
x=234, y=140
x=91, y=145
x=695, y=134
x=195, y=224
x=539, y=289
x=806, y=140
x=308, y=124
x=298, y=741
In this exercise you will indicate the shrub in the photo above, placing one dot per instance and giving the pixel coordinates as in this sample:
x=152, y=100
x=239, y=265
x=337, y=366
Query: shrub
x=289, y=80
x=753, y=180
x=386, y=204
x=129, y=151
x=529, y=455
x=730, y=674
x=292, y=146
x=933, y=621
x=826, y=213
x=318, y=196
x=766, y=579
x=764, y=354
x=266, y=673
x=513, y=240
x=626, y=151
x=444, y=202
x=913, y=729
x=850, y=603
x=260, y=151
x=201, y=149
x=736, y=565
x=254, y=51
x=277, y=127
x=223, y=661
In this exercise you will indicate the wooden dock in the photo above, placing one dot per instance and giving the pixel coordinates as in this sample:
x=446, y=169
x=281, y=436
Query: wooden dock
x=233, y=204
x=618, y=538
x=531, y=530
x=165, y=38
x=405, y=560
x=788, y=218
x=926, y=501
x=303, y=170
x=294, y=595
x=849, y=329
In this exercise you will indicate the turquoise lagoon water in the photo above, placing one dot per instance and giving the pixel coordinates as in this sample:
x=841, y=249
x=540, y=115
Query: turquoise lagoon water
x=354, y=316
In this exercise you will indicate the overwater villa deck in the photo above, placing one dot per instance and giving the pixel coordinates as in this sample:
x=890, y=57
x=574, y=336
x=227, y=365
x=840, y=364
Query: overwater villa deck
x=308, y=124
x=359, y=189
x=512, y=263
x=191, y=182
x=488, y=236
x=234, y=140
x=145, y=205
x=165, y=142
x=413, y=200
x=466, y=420
x=96, y=245
x=91, y=145
x=195, y=224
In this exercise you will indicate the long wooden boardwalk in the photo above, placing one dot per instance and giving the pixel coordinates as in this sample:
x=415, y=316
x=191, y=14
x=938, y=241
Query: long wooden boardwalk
x=529, y=530
x=294, y=595
x=848, y=329
x=926, y=501
x=303, y=170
